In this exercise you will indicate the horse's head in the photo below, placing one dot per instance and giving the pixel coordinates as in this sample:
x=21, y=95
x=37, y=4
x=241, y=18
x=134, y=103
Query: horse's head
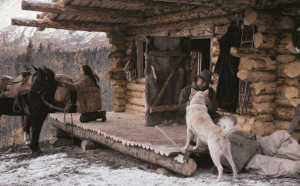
x=43, y=82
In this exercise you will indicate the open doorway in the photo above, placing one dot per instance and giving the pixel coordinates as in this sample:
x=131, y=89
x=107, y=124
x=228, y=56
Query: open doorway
x=200, y=56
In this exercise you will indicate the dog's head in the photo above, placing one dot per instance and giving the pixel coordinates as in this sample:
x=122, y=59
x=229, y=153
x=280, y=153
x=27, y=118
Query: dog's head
x=198, y=96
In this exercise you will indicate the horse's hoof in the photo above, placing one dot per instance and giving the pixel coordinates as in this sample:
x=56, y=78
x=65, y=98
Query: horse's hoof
x=37, y=152
x=27, y=143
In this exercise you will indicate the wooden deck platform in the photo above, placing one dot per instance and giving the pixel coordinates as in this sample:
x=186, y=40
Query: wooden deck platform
x=127, y=133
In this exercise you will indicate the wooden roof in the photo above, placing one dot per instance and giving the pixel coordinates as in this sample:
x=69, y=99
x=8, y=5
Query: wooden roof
x=138, y=17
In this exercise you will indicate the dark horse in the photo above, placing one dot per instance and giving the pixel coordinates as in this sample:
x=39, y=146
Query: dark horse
x=42, y=90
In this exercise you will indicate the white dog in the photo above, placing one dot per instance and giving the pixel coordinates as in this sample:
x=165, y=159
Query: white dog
x=216, y=137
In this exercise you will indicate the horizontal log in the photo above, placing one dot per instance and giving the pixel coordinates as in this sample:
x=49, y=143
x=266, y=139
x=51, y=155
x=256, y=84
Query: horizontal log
x=285, y=44
x=139, y=30
x=284, y=113
x=118, y=75
x=285, y=58
x=136, y=87
x=283, y=125
x=99, y=13
x=253, y=63
x=67, y=25
x=268, y=22
x=256, y=75
x=220, y=29
x=119, y=61
x=288, y=81
x=263, y=128
x=116, y=54
x=166, y=53
x=118, y=82
x=120, y=90
x=264, y=41
x=118, y=95
x=137, y=94
x=118, y=47
x=264, y=87
x=170, y=163
x=292, y=70
x=120, y=102
x=262, y=98
x=116, y=39
x=137, y=108
x=163, y=108
x=264, y=108
x=264, y=117
x=251, y=52
x=288, y=92
x=137, y=101
x=119, y=108
x=284, y=102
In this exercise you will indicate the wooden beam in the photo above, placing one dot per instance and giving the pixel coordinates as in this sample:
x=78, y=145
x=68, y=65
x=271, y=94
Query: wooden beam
x=68, y=25
x=166, y=53
x=81, y=11
x=163, y=108
x=176, y=26
x=198, y=13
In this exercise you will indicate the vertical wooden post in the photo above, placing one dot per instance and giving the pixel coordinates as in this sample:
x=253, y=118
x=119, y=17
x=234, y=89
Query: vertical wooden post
x=140, y=59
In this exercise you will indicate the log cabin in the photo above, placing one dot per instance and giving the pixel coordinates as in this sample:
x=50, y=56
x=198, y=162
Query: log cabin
x=158, y=46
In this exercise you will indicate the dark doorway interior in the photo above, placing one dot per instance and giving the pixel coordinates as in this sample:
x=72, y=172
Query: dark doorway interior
x=200, y=57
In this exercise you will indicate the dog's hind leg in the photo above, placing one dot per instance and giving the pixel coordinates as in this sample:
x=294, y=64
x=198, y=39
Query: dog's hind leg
x=228, y=155
x=198, y=143
x=215, y=154
x=189, y=135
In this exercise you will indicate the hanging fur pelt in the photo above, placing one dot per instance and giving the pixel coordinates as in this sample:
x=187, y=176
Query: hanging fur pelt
x=131, y=65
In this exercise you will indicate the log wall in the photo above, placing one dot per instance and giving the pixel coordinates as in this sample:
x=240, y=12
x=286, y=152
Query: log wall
x=271, y=67
x=273, y=70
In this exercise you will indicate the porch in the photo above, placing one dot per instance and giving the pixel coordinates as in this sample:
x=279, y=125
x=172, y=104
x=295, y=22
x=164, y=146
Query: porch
x=127, y=133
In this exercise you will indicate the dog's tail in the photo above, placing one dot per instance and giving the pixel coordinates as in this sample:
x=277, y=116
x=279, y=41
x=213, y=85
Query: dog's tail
x=227, y=125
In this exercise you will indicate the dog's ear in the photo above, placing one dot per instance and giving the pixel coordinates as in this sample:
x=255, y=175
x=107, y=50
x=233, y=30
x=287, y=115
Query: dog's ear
x=206, y=92
x=193, y=91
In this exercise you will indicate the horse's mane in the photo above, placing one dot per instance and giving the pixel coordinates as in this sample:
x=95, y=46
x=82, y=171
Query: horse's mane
x=48, y=71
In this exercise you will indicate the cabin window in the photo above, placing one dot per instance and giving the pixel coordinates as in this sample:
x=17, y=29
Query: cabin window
x=141, y=46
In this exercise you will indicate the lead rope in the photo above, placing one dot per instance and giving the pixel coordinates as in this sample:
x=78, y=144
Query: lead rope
x=65, y=110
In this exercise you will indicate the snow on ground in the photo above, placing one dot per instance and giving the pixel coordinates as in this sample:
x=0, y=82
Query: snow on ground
x=61, y=169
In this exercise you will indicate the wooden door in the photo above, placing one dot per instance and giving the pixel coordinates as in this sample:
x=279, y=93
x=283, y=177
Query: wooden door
x=167, y=72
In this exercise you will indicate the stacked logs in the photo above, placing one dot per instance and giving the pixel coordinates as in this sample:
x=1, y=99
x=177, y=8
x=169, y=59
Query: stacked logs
x=288, y=92
x=136, y=97
x=273, y=100
x=116, y=74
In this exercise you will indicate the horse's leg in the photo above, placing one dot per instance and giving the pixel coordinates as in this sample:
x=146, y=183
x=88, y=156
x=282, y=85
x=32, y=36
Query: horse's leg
x=37, y=119
x=26, y=128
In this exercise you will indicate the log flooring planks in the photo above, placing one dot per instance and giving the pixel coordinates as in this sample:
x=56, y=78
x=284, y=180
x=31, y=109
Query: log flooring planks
x=130, y=130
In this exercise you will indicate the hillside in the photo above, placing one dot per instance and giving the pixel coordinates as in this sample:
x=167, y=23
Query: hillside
x=16, y=37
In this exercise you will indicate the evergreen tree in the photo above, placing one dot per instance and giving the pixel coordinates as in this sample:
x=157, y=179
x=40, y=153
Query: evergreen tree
x=29, y=56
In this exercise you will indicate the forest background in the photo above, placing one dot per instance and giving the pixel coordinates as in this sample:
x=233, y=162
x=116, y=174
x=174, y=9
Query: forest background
x=15, y=57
